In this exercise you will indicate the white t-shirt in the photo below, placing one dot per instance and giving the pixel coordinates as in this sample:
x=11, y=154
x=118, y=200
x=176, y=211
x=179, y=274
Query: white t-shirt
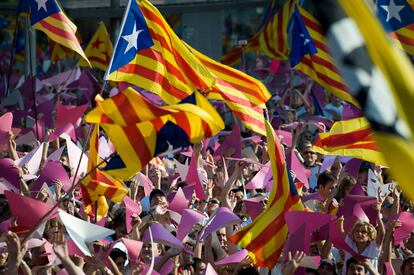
x=372, y=251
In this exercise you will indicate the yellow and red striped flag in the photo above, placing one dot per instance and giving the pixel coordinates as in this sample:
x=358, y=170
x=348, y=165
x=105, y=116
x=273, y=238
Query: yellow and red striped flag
x=243, y=94
x=99, y=183
x=141, y=130
x=99, y=49
x=266, y=236
x=48, y=17
x=351, y=138
x=150, y=55
x=310, y=55
x=272, y=39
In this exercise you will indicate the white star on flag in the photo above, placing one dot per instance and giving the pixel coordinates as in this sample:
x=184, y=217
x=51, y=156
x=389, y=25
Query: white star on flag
x=132, y=39
x=306, y=40
x=393, y=11
x=41, y=4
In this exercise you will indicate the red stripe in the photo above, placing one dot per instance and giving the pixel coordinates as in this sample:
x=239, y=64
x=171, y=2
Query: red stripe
x=158, y=123
x=125, y=109
x=138, y=143
x=321, y=46
x=249, y=119
x=271, y=261
x=312, y=23
x=280, y=30
x=182, y=121
x=405, y=40
x=318, y=60
x=60, y=32
x=98, y=60
x=154, y=76
x=155, y=110
x=207, y=129
x=233, y=57
x=106, y=120
x=345, y=139
x=369, y=146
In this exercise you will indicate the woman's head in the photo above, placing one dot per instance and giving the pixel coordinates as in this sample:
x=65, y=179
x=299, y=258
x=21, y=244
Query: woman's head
x=363, y=232
x=345, y=186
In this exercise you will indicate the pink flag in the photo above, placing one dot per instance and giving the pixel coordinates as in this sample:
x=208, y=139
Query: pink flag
x=235, y=258
x=179, y=202
x=221, y=218
x=6, y=121
x=193, y=177
x=145, y=182
x=352, y=167
x=63, y=79
x=131, y=208
x=56, y=155
x=232, y=141
x=254, y=206
x=189, y=218
x=67, y=118
x=134, y=249
x=10, y=172
x=161, y=235
x=28, y=211
x=209, y=270
x=294, y=164
x=407, y=226
x=286, y=137
x=53, y=171
x=262, y=177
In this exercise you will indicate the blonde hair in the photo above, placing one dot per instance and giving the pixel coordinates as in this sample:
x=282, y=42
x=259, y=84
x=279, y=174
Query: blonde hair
x=372, y=232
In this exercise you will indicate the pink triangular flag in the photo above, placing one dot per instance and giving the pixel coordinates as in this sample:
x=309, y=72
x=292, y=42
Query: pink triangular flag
x=131, y=208
x=67, y=118
x=182, y=169
x=145, y=182
x=407, y=226
x=53, y=171
x=294, y=164
x=28, y=138
x=193, y=177
x=235, y=258
x=232, y=141
x=261, y=178
x=286, y=137
x=56, y=155
x=179, y=202
x=64, y=78
x=28, y=211
x=352, y=167
x=133, y=248
x=5, y=185
x=254, y=206
x=74, y=154
x=161, y=235
x=209, y=270
x=222, y=217
x=6, y=121
x=32, y=160
x=10, y=172
x=189, y=218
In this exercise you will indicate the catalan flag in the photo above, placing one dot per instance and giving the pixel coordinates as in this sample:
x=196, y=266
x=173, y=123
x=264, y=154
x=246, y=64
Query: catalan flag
x=266, y=236
x=310, y=55
x=141, y=130
x=149, y=54
x=272, y=39
x=59, y=52
x=48, y=17
x=243, y=94
x=351, y=138
x=98, y=183
x=380, y=77
x=99, y=49
x=398, y=18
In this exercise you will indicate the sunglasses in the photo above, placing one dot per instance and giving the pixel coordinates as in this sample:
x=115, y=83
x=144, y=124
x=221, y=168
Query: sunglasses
x=213, y=202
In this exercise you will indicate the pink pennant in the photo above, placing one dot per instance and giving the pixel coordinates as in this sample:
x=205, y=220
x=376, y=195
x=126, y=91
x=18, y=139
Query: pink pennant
x=407, y=226
x=254, y=206
x=294, y=164
x=53, y=171
x=10, y=172
x=56, y=155
x=161, y=235
x=350, y=111
x=46, y=109
x=6, y=121
x=145, y=182
x=63, y=79
x=366, y=204
x=286, y=137
x=222, y=217
x=261, y=178
x=179, y=202
x=352, y=167
x=67, y=118
x=189, y=218
x=232, y=141
x=133, y=248
x=193, y=177
x=131, y=208
x=209, y=270
x=5, y=185
x=235, y=258
x=28, y=211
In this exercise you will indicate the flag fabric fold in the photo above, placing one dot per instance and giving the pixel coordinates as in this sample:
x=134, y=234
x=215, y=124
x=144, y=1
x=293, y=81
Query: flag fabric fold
x=141, y=130
x=380, y=77
x=150, y=55
x=352, y=138
x=266, y=236
x=48, y=17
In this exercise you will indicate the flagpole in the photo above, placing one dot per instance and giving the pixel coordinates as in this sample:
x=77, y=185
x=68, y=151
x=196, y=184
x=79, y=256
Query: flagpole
x=32, y=73
x=12, y=50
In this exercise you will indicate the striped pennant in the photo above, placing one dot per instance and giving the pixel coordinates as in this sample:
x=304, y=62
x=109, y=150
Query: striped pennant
x=245, y=95
x=48, y=17
x=351, y=138
x=140, y=130
x=271, y=40
x=99, y=49
x=98, y=183
x=150, y=55
x=266, y=236
x=320, y=65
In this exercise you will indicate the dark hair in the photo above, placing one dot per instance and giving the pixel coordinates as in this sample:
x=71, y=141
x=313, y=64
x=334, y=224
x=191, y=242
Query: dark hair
x=354, y=261
x=325, y=178
x=116, y=253
x=248, y=270
x=343, y=185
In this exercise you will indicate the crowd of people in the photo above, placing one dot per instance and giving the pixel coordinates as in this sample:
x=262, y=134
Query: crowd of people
x=154, y=231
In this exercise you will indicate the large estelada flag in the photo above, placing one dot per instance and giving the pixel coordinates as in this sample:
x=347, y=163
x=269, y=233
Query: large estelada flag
x=48, y=17
x=266, y=236
x=352, y=138
x=310, y=55
x=150, y=55
x=99, y=49
x=141, y=130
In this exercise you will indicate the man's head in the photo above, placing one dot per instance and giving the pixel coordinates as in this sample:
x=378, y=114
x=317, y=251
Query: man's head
x=326, y=184
x=157, y=197
x=354, y=267
x=327, y=267
x=212, y=205
x=407, y=267
x=119, y=257
x=309, y=156
x=222, y=237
